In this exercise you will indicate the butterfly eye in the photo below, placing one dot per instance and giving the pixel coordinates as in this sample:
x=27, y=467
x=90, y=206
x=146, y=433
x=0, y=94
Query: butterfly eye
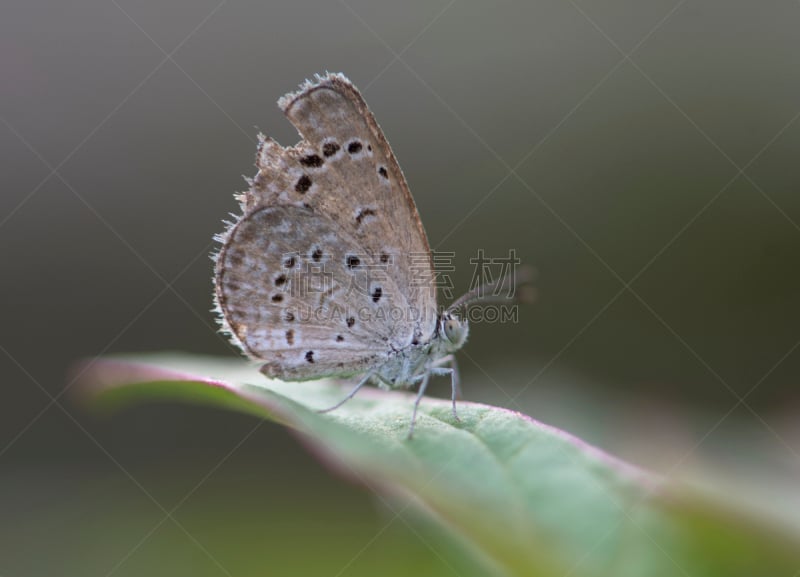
x=455, y=331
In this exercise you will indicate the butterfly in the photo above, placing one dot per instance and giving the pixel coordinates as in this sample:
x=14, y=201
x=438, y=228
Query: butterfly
x=328, y=271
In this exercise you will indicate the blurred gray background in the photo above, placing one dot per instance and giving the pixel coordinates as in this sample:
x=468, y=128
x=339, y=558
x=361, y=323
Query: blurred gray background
x=641, y=155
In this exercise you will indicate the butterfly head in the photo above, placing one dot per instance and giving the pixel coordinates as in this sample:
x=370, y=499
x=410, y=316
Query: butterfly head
x=453, y=330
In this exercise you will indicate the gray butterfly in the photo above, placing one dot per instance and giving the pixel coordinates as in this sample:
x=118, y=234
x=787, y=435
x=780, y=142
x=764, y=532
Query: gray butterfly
x=328, y=271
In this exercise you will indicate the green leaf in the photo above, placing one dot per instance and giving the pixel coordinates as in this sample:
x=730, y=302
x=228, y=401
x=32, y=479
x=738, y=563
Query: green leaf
x=524, y=497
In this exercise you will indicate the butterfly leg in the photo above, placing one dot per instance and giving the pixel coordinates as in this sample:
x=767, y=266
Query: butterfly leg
x=350, y=395
x=455, y=380
x=422, y=386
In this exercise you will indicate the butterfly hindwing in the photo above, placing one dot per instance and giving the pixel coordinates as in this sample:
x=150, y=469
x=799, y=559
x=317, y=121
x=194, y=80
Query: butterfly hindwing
x=305, y=303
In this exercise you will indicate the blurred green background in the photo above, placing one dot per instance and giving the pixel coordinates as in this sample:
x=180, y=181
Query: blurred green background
x=641, y=155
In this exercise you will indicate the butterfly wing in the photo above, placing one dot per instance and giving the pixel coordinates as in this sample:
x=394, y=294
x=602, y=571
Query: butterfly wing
x=339, y=203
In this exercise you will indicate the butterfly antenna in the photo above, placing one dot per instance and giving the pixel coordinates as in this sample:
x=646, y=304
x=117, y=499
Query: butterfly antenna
x=514, y=288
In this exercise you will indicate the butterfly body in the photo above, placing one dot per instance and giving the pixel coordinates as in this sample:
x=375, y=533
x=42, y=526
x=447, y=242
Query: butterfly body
x=405, y=367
